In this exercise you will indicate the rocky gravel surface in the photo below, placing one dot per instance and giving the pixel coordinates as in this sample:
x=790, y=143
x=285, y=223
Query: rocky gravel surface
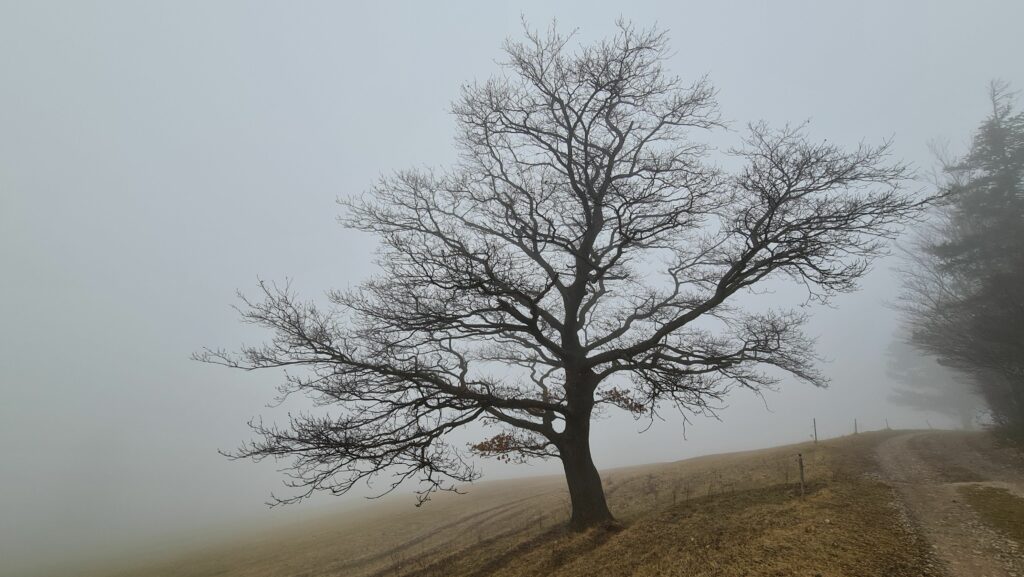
x=926, y=471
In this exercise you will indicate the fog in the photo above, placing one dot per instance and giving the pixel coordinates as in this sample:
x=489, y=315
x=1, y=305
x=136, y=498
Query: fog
x=154, y=159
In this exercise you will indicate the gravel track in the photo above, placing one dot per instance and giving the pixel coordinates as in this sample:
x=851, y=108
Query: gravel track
x=926, y=469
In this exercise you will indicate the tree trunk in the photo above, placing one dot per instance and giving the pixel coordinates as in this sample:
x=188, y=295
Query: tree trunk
x=589, y=508
x=1017, y=392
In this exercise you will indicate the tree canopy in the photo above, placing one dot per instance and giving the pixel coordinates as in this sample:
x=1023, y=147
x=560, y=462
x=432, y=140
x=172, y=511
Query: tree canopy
x=583, y=252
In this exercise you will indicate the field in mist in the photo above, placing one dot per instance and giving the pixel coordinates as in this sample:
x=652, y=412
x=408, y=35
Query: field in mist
x=731, y=514
x=300, y=254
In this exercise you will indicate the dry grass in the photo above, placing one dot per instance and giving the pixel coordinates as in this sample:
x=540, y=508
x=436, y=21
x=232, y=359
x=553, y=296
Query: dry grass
x=998, y=507
x=734, y=514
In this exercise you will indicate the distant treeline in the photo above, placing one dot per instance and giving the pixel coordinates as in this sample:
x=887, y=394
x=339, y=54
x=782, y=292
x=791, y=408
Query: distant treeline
x=963, y=294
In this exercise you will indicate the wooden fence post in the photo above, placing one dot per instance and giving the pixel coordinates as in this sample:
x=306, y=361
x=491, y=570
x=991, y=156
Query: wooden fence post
x=800, y=458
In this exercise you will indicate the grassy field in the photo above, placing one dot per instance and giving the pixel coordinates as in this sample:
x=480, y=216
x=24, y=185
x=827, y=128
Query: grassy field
x=734, y=514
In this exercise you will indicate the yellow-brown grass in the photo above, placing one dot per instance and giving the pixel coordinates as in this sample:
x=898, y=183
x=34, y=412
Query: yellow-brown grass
x=734, y=514
x=998, y=507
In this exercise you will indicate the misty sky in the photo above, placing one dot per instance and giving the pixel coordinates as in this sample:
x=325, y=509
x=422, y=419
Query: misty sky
x=155, y=157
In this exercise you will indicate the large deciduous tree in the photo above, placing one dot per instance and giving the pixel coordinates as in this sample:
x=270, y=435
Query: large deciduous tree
x=583, y=252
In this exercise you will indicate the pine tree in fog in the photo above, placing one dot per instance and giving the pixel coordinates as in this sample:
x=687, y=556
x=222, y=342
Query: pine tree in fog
x=964, y=290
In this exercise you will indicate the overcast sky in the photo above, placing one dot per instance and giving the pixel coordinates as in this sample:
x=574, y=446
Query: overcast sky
x=155, y=157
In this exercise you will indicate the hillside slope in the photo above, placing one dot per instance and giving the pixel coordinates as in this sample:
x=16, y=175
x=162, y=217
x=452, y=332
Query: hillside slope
x=732, y=514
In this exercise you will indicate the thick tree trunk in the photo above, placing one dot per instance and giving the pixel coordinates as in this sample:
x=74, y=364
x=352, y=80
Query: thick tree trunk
x=589, y=508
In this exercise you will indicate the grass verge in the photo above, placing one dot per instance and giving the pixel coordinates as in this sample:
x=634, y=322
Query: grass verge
x=845, y=524
x=998, y=508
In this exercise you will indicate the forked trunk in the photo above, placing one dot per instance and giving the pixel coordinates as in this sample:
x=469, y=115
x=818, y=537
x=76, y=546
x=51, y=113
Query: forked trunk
x=589, y=508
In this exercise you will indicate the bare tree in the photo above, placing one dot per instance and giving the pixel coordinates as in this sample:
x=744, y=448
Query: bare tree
x=582, y=253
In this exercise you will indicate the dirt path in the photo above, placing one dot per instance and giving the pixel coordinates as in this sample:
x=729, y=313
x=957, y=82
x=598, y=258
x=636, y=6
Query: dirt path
x=927, y=469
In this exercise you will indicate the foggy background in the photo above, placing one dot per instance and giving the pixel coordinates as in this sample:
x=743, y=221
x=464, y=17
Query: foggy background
x=154, y=159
